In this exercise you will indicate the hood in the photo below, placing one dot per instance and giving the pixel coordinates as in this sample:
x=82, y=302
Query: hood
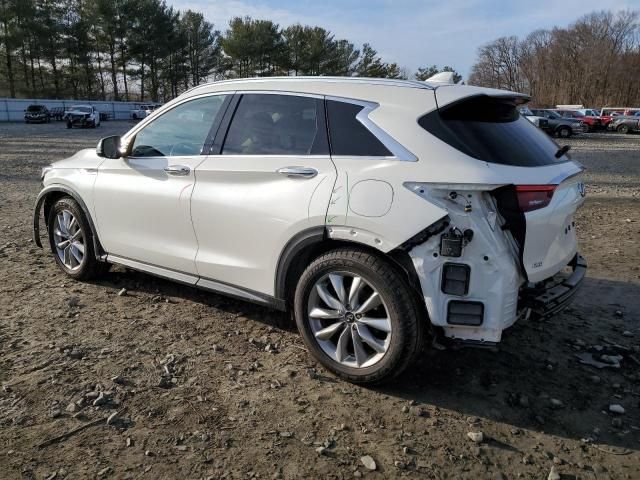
x=86, y=158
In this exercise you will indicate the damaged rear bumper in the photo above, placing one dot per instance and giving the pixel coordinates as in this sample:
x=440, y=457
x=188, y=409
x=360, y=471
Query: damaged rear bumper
x=551, y=296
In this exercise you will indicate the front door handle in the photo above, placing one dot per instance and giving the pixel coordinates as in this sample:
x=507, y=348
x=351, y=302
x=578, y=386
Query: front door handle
x=177, y=170
x=298, y=172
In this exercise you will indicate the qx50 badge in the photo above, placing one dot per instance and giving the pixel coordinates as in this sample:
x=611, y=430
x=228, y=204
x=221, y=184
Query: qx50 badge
x=581, y=189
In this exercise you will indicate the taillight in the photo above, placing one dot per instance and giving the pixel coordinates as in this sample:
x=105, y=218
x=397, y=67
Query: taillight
x=533, y=197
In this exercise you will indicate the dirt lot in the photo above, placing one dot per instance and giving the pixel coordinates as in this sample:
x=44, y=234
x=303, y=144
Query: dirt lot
x=207, y=387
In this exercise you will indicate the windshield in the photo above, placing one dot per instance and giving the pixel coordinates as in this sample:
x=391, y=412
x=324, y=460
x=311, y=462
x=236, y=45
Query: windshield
x=79, y=108
x=34, y=108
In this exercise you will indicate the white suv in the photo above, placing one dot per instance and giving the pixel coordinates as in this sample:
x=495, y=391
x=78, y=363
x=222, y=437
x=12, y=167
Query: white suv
x=82, y=116
x=380, y=212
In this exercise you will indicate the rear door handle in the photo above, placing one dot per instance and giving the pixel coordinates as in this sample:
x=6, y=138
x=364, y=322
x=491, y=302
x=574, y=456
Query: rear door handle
x=298, y=172
x=177, y=170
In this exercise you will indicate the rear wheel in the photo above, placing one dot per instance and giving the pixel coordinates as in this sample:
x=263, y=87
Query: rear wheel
x=71, y=241
x=564, y=132
x=358, y=316
x=623, y=129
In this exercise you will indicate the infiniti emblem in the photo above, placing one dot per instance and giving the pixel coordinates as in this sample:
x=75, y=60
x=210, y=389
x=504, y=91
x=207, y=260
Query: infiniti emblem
x=581, y=189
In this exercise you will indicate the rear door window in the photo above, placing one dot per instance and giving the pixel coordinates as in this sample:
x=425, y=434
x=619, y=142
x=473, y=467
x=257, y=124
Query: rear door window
x=348, y=136
x=490, y=129
x=275, y=124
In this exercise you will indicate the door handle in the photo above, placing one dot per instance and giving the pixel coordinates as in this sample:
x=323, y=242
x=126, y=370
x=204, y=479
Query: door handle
x=298, y=172
x=177, y=170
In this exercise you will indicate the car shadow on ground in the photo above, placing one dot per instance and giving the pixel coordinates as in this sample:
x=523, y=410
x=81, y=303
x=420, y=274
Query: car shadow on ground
x=535, y=366
x=532, y=380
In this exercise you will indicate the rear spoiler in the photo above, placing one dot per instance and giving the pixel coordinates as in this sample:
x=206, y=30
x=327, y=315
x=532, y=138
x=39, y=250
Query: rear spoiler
x=447, y=94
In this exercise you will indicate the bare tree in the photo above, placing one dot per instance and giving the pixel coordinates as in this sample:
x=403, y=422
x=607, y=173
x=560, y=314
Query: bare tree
x=593, y=62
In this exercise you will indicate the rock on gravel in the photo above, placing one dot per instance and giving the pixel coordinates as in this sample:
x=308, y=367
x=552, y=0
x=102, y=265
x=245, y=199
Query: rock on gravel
x=368, y=462
x=476, y=437
x=555, y=403
x=616, y=408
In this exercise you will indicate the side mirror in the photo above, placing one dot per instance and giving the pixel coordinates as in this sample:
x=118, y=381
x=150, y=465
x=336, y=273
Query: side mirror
x=109, y=147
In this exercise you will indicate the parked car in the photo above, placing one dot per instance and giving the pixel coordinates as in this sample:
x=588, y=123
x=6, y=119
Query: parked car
x=37, y=114
x=380, y=212
x=144, y=111
x=626, y=124
x=82, y=116
x=559, y=125
x=591, y=123
x=539, y=122
x=607, y=115
x=592, y=112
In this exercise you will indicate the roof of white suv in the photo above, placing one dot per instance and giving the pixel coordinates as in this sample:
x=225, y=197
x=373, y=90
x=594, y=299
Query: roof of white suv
x=394, y=82
x=368, y=89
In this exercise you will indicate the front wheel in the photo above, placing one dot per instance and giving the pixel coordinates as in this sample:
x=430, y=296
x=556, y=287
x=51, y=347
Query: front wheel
x=623, y=129
x=564, y=132
x=358, y=316
x=71, y=241
x=69, y=124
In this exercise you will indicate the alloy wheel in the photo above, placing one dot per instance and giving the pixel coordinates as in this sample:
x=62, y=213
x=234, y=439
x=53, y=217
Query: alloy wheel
x=349, y=319
x=69, y=240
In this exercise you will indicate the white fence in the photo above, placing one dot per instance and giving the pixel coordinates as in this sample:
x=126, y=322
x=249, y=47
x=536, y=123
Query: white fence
x=12, y=109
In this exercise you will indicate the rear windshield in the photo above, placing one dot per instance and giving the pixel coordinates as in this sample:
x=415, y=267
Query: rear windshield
x=491, y=129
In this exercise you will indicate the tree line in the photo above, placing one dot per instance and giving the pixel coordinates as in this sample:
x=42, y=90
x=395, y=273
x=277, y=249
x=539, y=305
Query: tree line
x=594, y=62
x=147, y=50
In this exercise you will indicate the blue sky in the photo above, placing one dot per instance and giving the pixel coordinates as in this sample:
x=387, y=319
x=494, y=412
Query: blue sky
x=413, y=32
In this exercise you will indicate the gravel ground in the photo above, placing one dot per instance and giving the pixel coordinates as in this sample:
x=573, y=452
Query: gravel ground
x=199, y=386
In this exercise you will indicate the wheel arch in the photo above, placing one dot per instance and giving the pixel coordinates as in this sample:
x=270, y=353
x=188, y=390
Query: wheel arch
x=309, y=244
x=47, y=198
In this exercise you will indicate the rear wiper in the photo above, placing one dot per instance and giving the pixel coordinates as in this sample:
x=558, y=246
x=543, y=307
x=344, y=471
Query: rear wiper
x=562, y=150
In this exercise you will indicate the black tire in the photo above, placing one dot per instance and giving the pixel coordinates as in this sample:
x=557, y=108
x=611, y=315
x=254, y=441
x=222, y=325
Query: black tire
x=564, y=132
x=623, y=129
x=69, y=124
x=408, y=320
x=89, y=268
x=135, y=116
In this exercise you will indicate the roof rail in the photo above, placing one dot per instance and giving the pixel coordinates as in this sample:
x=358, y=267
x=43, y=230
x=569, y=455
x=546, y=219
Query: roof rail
x=363, y=80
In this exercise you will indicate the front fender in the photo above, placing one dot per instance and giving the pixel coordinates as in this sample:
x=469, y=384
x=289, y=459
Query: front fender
x=56, y=191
